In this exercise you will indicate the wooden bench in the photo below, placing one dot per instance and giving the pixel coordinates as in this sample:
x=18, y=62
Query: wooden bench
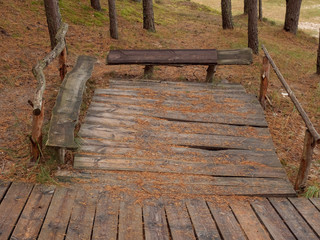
x=67, y=107
x=180, y=57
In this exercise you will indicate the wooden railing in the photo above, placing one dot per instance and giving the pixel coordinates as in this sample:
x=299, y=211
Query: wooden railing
x=312, y=137
x=38, y=104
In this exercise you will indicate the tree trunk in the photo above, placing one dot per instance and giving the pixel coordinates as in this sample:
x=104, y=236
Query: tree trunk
x=113, y=19
x=260, y=10
x=53, y=19
x=318, y=59
x=245, y=7
x=253, y=41
x=292, y=15
x=95, y=4
x=226, y=14
x=148, y=18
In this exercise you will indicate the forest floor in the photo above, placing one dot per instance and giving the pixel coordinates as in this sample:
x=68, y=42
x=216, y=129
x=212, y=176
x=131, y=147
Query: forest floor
x=179, y=24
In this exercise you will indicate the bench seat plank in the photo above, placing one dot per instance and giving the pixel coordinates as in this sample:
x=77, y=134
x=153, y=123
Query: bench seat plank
x=163, y=57
x=66, y=110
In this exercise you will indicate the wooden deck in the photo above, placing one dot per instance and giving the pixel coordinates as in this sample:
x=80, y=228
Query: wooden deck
x=213, y=140
x=30, y=211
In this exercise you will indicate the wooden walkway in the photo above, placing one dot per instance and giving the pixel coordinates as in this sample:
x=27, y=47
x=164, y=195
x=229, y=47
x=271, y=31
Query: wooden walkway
x=212, y=140
x=30, y=211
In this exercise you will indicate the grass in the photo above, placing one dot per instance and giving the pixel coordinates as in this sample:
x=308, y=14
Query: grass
x=312, y=191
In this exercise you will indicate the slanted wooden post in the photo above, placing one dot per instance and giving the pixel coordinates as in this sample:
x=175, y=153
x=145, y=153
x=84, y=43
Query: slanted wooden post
x=265, y=72
x=210, y=72
x=36, y=135
x=305, y=164
x=62, y=64
x=148, y=71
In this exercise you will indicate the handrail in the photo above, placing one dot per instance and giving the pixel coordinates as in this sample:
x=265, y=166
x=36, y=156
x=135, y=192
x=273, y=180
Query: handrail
x=311, y=138
x=37, y=70
x=38, y=105
x=295, y=101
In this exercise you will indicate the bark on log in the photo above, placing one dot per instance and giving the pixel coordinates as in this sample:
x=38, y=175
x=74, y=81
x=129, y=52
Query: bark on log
x=36, y=136
x=295, y=101
x=264, y=81
x=318, y=58
x=113, y=19
x=53, y=19
x=38, y=69
x=305, y=163
x=292, y=15
x=210, y=72
x=62, y=64
x=253, y=41
x=148, y=16
x=226, y=14
x=260, y=10
x=245, y=7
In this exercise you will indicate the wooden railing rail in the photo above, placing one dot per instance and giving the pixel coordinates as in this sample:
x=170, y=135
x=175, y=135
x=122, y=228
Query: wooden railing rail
x=38, y=104
x=312, y=137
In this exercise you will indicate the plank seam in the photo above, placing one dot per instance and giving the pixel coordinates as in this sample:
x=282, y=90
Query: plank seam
x=5, y=192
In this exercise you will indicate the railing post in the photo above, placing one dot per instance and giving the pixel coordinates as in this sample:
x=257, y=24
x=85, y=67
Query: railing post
x=306, y=160
x=211, y=70
x=62, y=63
x=148, y=71
x=265, y=72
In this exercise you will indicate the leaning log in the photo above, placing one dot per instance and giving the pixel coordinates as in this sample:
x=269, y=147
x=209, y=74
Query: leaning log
x=38, y=104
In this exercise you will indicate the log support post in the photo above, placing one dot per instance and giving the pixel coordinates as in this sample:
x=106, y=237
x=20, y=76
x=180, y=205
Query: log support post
x=265, y=72
x=62, y=64
x=211, y=70
x=148, y=71
x=305, y=164
x=36, y=136
x=61, y=155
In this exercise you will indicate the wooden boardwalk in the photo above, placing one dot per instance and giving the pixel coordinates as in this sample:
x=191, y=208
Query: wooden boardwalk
x=30, y=211
x=213, y=140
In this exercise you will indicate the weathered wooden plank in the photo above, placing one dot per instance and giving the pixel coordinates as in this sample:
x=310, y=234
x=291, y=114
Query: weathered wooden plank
x=179, y=222
x=155, y=223
x=309, y=212
x=11, y=207
x=106, y=219
x=235, y=57
x=271, y=220
x=3, y=189
x=163, y=56
x=130, y=221
x=293, y=219
x=58, y=216
x=116, y=150
x=316, y=202
x=202, y=221
x=82, y=216
x=66, y=110
x=226, y=222
x=248, y=220
x=31, y=219
x=175, y=166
